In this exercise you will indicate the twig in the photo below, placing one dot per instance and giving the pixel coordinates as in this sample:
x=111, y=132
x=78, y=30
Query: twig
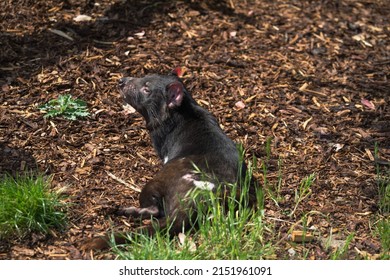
x=123, y=182
x=61, y=33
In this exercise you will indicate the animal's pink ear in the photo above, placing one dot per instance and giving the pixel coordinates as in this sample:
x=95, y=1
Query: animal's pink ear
x=175, y=94
x=178, y=71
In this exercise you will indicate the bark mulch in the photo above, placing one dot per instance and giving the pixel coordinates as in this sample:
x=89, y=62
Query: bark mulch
x=311, y=75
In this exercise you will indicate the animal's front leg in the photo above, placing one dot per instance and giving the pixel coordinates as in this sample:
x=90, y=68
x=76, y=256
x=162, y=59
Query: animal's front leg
x=143, y=213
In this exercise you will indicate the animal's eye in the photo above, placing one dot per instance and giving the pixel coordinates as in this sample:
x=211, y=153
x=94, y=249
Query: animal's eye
x=154, y=199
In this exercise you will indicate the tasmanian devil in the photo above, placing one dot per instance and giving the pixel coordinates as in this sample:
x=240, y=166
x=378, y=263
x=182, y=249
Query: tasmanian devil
x=186, y=137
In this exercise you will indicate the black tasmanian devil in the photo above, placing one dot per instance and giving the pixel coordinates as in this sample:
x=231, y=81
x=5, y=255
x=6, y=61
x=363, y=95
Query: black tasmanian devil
x=184, y=135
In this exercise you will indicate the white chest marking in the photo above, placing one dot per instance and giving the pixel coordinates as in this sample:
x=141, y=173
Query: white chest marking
x=166, y=159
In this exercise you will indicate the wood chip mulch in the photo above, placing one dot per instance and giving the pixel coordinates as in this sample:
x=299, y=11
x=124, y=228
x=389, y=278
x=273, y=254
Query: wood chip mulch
x=312, y=75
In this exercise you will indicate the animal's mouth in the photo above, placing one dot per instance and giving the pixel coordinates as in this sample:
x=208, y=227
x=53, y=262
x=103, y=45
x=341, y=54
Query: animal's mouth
x=126, y=88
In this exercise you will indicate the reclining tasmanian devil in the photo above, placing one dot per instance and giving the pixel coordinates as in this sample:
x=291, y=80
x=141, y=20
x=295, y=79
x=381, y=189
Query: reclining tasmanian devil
x=184, y=136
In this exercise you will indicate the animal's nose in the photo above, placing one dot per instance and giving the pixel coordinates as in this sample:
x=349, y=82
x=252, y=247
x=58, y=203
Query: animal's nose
x=123, y=81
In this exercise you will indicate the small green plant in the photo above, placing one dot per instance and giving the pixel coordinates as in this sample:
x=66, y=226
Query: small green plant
x=383, y=229
x=28, y=206
x=383, y=182
x=268, y=148
x=66, y=106
x=340, y=253
x=383, y=223
x=273, y=190
x=303, y=191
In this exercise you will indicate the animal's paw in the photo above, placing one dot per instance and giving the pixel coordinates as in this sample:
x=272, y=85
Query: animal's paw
x=128, y=211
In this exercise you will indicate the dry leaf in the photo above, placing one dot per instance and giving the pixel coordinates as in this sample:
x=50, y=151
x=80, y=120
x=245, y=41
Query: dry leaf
x=184, y=241
x=22, y=250
x=368, y=104
x=84, y=170
x=239, y=105
x=193, y=13
x=179, y=71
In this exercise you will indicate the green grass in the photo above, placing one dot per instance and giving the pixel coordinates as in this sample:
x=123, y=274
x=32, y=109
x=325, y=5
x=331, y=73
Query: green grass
x=303, y=191
x=231, y=232
x=27, y=206
x=383, y=182
x=237, y=232
x=341, y=252
x=383, y=222
x=65, y=106
x=222, y=234
x=383, y=230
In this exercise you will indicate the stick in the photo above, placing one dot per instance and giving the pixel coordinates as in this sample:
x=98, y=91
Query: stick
x=123, y=182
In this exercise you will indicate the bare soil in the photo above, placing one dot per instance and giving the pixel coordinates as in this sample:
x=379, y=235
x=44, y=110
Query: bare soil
x=312, y=75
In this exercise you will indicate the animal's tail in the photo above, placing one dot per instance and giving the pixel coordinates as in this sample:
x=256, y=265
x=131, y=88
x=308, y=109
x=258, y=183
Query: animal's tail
x=105, y=241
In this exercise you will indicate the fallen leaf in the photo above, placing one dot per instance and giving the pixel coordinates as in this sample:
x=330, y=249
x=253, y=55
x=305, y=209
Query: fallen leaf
x=179, y=71
x=368, y=104
x=183, y=240
x=291, y=252
x=193, y=13
x=5, y=88
x=84, y=170
x=239, y=105
x=331, y=242
x=24, y=251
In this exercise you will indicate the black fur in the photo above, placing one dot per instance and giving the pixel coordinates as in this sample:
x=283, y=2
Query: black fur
x=183, y=134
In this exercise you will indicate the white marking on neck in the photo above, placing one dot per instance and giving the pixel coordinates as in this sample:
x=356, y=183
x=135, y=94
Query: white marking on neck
x=166, y=159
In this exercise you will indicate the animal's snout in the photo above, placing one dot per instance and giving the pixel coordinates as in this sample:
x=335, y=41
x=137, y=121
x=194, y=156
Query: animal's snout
x=123, y=81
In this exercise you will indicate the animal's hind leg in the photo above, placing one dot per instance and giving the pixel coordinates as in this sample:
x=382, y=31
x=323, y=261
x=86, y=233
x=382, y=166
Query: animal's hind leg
x=171, y=224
